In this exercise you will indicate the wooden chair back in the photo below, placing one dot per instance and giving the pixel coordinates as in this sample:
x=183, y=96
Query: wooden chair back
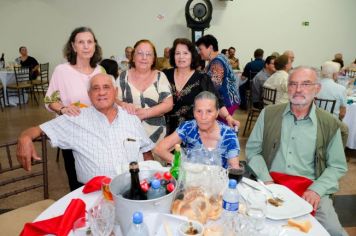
x=326, y=104
x=14, y=179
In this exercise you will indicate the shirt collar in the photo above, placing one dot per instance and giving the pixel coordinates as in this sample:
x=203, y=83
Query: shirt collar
x=311, y=115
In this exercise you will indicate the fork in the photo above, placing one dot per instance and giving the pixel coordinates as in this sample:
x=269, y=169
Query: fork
x=277, y=197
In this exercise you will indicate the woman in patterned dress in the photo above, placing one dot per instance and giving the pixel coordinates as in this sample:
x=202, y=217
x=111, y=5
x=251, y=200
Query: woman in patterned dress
x=204, y=132
x=186, y=82
x=220, y=71
x=145, y=91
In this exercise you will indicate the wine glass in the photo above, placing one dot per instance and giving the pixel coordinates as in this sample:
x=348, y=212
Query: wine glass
x=81, y=227
x=102, y=218
x=256, y=209
x=236, y=173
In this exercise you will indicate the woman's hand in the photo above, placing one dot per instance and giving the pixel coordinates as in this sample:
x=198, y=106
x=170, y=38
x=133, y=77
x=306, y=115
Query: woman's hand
x=142, y=113
x=71, y=110
x=232, y=122
x=129, y=107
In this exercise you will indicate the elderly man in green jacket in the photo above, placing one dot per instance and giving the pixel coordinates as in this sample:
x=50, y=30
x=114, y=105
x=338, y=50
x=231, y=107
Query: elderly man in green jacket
x=299, y=139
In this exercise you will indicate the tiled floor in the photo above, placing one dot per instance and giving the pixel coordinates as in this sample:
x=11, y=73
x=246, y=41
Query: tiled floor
x=13, y=120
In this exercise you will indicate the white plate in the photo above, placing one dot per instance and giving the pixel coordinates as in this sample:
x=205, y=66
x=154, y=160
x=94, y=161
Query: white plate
x=293, y=205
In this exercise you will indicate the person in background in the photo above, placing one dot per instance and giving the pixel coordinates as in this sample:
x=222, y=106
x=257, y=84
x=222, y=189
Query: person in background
x=259, y=80
x=225, y=52
x=186, y=83
x=67, y=90
x=145, y=91
x=204, y=132
x=221, y=73
x=352, y=66
x=275, y=54
x=96, y=136
x=290, y=55
x=124, y=61
x=163, y=62
x=250, y=70
x=279, y=79
x=339, y=59
x=235, y=64
x=332, y=90
x=111, y=67
x=27, y=61
x=301, y=141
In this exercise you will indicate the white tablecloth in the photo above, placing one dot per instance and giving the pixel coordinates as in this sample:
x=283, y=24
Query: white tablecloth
x=8, y=77
x=90, y=199
x=350, y=120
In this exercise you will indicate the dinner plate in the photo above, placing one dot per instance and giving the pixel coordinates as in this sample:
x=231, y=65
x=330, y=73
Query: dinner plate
x=293, y=205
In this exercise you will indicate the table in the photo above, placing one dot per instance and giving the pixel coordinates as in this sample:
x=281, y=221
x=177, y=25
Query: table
x=8, y=77
x=350, y=120
x=90, y=199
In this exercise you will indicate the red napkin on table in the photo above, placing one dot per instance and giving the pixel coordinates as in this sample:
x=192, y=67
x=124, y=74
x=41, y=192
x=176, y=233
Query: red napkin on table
x=94, y=184
x=298, y=184
x=60, y=225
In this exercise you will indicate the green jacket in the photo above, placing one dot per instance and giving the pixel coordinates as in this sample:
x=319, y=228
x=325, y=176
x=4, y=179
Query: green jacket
x=326, y=129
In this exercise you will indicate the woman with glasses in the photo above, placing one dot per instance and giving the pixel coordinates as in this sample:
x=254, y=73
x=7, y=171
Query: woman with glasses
x=145, y=91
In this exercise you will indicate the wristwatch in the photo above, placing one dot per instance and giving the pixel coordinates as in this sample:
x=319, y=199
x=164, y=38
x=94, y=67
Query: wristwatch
x=60, y=110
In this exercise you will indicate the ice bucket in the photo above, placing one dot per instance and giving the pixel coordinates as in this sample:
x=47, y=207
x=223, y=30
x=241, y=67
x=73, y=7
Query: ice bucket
x=124, y=208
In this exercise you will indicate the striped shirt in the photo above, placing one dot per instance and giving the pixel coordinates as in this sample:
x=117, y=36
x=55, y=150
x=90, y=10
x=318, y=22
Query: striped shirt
x=99, y=148
x=228, y=144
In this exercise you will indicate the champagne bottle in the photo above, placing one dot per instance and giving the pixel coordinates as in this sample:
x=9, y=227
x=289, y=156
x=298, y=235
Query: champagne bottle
x=135, y=192
x=176, y=162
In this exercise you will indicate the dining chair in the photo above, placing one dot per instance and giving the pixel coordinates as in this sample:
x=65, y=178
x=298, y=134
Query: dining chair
x=2, y=97
x=23, y=85
x=350, y=73
x=268, y=98
x=326, y=104
x=42, y=83
x=16, y=183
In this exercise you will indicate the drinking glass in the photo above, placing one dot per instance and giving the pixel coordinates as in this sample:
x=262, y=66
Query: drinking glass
x=236, y=173
x=102, y=219
x=256, y=209
x=105, y=188
x=81, y=227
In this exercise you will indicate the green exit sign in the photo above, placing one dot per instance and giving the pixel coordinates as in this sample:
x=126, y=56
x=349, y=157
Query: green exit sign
x=305, y=23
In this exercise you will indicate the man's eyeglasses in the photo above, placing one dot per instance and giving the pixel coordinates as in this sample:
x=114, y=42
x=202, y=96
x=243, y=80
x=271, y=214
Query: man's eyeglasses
x=142, y=54
x=303, y=85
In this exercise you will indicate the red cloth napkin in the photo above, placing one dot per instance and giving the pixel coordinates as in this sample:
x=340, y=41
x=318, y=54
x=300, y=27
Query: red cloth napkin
x=298, y=184
x=94, y=184
x=60, y=225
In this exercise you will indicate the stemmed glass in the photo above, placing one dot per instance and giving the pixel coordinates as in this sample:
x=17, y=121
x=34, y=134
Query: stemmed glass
x=256, y=209
x=102, y=218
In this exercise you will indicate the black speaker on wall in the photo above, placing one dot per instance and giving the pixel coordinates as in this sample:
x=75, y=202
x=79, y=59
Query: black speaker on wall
x=198, y=14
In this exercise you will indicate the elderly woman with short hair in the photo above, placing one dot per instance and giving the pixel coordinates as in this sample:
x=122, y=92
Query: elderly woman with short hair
x=204, y=132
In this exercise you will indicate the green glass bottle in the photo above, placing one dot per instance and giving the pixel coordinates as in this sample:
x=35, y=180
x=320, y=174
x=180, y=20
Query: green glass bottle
x=176, y=162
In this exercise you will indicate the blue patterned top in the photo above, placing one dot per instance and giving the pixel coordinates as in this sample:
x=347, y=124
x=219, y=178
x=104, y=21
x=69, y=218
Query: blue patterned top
x=224, y=79
x=228, y=144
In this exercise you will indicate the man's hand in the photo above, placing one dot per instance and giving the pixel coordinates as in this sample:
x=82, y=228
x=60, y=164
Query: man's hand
x=25, y=152
x=232, y=122
x=312, y=197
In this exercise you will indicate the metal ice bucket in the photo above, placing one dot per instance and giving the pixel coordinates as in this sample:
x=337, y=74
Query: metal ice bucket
x=124, y=208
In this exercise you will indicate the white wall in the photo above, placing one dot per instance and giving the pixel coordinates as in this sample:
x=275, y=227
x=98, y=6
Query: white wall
x=274, y=25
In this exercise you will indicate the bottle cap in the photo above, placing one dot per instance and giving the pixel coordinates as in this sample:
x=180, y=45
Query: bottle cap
x=232, y=183
x=156, y=184
x=137, y=217
x=177, y=147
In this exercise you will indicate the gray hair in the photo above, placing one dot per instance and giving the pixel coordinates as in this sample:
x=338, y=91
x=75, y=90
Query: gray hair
x=329, y=68
x=207, y=95
x=310, y=68
x=109, y=76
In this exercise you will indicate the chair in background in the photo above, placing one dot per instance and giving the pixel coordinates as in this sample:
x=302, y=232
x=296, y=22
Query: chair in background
x=268, y=97
x=326, y=104
x=2, y=97
x=23, y=85
x=41, y=85
x=350, y=73
x=15, y=182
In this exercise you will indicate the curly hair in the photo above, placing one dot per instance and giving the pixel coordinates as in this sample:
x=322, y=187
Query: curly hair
x=191, y=47
x=132, y=63
x=71, y=55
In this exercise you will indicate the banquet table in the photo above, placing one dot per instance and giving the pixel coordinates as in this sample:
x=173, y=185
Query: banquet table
x=350, y=120
x=91, y=199
x=7, y=76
